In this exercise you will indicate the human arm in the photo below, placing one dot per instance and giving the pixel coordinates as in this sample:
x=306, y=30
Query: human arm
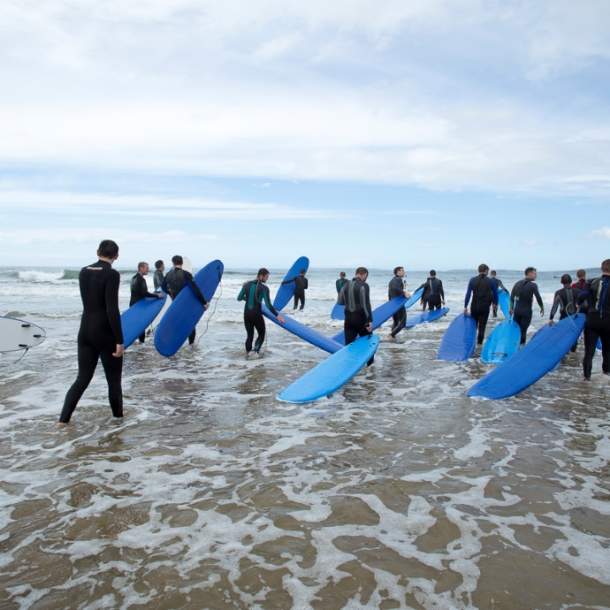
x=111, y=297
x=198, y=294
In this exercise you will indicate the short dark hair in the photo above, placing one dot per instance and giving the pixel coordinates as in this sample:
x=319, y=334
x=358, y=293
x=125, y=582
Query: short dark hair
x=108, y=249
x=177, y=260
x=581, y=273
x=566, y=278
x=528, y=270
x=606, y=266
x=397, y=269
x=362, y=271
x=158, y=264
x=262, y=271
x=432, y=272
x=493, y=272
x=303, y=272
x=142, y=264
x=342, y=274
x=483, y=268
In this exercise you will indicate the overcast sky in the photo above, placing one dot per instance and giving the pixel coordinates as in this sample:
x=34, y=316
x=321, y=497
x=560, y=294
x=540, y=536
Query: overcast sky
x=377, y=132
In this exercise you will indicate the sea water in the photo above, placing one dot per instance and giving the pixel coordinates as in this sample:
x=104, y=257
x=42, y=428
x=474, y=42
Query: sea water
x=397, y=492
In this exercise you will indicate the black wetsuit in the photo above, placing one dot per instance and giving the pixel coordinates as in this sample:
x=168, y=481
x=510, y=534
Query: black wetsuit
x=521, y=301
x=597, y=298
x=499, y=286
x=158, y=279
x=139, y=291
x=173, y=283
x=339, y=284
x=433, y=295
x=255, y=293
x=396, y=288
x=301, y=284
x=355, y=295
x=100, y=332
x=484, y=295
x=566, y=301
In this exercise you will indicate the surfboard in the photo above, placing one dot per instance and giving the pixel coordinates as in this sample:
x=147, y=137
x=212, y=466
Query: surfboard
x=502, y=343
x=136, y=319
x=427, y=316
x=541, y=355
x=337, y=312
x=333, y=373
x=304, y=332
x=286, y=290
x=17, y=335
x=384, y=312
x=459, y=340
x=504, y=302
x=186, y=310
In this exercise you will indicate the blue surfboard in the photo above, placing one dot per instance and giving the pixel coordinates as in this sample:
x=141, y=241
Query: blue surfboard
x=427, y=316
x=304, y=332
x=331, y=374
x=136, y=319
x=286, y=290
x=541, y=355
x=338, y=312
x=502, y=343
x=186, y=310
x=384, y=312
x=459, y=340
x=504, y=302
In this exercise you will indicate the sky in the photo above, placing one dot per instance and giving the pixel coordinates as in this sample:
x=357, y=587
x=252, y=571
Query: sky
x=389, y=132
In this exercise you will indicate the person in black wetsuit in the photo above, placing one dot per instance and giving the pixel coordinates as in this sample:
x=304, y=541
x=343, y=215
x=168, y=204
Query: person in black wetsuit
x=565, y=301
x=433, y=296
x=139, y=290
x=396, y=288
x=100, y=334
x=255, y=293
x=484, y=295
x=499, y=286
x=158, y=274
x=301, y=284
x=355, y=295
x=522, y=299
x=597, y=301
x=340, y=282
x=175, y=280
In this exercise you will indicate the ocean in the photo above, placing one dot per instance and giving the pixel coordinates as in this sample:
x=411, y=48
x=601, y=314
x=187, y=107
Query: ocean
x=396, y=492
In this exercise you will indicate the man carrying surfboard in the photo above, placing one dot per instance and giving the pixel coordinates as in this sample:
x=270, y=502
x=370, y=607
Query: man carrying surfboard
x=522, y=300
x=100, y=334
x=158, y=276
x=175, y=280
x=565, y=301
x=255, y=293
x=484, y=294
x=340, y=282
x=139, y=290
x=396, y=288
x=597, y=326
x=433, y=296
x=493, y=276
x=301, y=284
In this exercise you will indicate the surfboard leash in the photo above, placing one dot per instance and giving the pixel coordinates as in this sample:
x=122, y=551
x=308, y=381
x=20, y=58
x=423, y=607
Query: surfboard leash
x=213, y=312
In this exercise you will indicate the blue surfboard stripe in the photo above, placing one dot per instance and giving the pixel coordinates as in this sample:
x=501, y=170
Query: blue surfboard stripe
x=286, y=290
x=186, y=310
x=136, y=319
x=427, y=316
x=333, y=373
x=504, y=302
x=541, y=355
x=338, y=312
x=502, y=343
x=459, y=340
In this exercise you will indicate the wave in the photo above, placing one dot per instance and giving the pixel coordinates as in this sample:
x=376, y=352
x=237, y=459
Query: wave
x=38, y=276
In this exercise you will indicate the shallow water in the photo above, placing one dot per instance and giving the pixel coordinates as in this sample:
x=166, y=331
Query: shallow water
x=397, y=492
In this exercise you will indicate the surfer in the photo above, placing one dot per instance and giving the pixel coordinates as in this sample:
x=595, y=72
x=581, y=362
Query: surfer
x=397, y=288
x=158, y=275
x=522, y=299
x=499, y=286
x=340, y=282
x=301, y=284
x=175, y=280
x=255, y=293
x=597, y=327
x=484, y=295
x=433, y=296
x=566, y=301
x=100, y=334
x=139, y=290
x=355, y=295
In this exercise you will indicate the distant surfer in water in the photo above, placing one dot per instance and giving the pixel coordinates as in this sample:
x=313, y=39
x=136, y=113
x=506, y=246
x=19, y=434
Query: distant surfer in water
x=139, y=290
x=433, y=296
x=158, y=276
x=397, y=288
x=301, y=284
x=597, y=328
x=565, y=301
x=355, y=295
x=484, y=295
x=255, y=293
x=175, y=280
x=522, y=300
x=499, y=286
x=100, y=334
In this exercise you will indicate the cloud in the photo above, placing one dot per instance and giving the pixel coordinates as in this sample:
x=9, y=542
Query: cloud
x=603, y=232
